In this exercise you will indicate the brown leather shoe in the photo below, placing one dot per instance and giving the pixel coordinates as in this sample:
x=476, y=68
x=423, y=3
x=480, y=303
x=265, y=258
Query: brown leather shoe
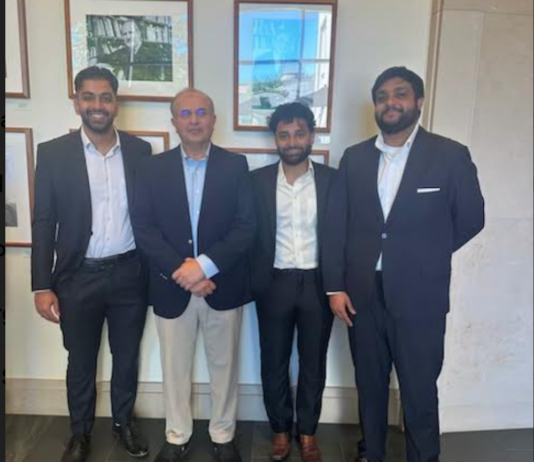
x=280, y=447
x=309, y=451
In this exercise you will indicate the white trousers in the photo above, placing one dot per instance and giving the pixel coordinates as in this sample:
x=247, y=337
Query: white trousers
x=178, y=339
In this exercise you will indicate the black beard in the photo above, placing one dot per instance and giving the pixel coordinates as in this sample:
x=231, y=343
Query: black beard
x=407, y=120
x=97, y=128
x=295, y=159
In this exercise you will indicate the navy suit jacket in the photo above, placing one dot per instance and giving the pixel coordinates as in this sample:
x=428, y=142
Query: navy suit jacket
x=162, y=227
x=421, y=234
x=62, y=216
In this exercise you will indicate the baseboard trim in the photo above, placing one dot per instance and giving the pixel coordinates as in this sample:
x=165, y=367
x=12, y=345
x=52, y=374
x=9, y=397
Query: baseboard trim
x=49, y=397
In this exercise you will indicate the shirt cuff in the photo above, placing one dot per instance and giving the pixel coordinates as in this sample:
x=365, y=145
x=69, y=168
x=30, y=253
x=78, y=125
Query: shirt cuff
x=41, y=291
x=334, y=293
x=210, y=269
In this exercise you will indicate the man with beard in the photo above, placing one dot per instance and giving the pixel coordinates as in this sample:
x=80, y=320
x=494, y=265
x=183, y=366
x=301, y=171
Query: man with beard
x=402, y=204
x=83, y=198
x=290, y=199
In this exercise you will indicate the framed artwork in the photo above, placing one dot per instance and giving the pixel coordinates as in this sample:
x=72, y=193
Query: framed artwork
x=16, y=63
x=160, y=141
x=258, y=158
x=284, y=52
x=19, y=186
x=147, y=44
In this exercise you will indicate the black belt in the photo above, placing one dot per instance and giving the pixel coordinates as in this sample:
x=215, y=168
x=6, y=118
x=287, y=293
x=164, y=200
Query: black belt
x=108, y=262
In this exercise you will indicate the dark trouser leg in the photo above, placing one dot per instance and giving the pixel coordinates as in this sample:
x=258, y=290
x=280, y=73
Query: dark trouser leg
x=126, y=315
x=276, y=317
x=82, y=305
x=314, y=325
x=373, y=362
x=418, y=350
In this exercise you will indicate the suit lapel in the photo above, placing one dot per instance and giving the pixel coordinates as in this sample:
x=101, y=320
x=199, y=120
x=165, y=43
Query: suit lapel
x=321, y=186
x=128, y=161
x=371, y=181
x=209, y=195
x=176, y=182
x=417, y=165
x=78, y=170
x=271, y=198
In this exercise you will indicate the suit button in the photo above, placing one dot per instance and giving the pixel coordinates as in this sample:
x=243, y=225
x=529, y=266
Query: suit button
x=190, y=242
x=384, y=236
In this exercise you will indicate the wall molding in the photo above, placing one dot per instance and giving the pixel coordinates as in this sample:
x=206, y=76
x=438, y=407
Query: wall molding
x=49, y=397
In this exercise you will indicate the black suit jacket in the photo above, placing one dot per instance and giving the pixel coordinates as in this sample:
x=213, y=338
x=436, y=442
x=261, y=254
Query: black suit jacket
x=226, y=228
x=262, y=254
x=420, y=235
x=62, y=216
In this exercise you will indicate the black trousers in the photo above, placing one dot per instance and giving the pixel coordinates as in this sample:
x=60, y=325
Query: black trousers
x=294, y=300
x=115, y=292
x=416, y=348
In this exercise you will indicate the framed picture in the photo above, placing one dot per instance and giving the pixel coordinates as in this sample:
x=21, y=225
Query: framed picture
x=160, y=141
x=16, y=64
x=19, y=186
x=284, y=52
x=258, y=158
x=147, y=44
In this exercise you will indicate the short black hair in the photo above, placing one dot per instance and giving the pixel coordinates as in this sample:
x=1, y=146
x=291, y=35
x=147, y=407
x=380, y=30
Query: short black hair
x=289, y=112
x=96, y=73
x=403, y=73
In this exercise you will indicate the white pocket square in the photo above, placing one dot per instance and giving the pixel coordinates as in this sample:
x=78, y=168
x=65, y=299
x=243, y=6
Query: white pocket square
x=428, y=190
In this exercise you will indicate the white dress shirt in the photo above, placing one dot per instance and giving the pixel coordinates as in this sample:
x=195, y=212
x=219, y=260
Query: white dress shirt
x=296, y=218
x=393, y=162
x=111, y=227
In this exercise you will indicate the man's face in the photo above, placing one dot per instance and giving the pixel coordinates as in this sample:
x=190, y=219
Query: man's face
x=97, y=105
x=131, y=35
x=194, y=119
x=294, y=141
x=396, y=107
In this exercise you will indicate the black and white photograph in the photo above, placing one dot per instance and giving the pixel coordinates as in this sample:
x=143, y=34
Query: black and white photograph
x=145, y=44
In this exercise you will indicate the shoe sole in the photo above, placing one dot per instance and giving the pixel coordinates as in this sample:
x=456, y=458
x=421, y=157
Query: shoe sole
x=283, y=459
x=135, y=456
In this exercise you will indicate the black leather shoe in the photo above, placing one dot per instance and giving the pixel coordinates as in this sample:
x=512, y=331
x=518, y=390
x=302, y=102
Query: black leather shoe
x=131, y=441
x=172, y=452
x=226, y=452
x=77, y=449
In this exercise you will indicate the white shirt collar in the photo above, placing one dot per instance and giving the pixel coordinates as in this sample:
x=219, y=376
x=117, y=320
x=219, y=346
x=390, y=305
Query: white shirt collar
x=383, y=147
x=186, y=157
x=88, y=144
x=282, y=173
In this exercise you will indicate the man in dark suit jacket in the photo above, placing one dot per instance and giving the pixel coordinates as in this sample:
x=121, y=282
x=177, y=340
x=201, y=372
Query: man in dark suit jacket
x=194, y=220
x=83, y=195
x=402, y=204
x=290, y=199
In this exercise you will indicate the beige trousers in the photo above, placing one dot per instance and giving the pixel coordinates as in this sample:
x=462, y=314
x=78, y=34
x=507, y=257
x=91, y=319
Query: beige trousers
x=178, y=339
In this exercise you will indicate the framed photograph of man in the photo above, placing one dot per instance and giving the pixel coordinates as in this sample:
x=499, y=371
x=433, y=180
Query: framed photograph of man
x=16, y=63
x=147, y=44
x=258, y=158
x=19, y=186
x=284, y=52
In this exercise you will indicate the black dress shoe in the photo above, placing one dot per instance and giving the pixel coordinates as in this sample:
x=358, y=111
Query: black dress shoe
x=131, y=441
x=77, y=449
x=226, y=452
x=172, y=452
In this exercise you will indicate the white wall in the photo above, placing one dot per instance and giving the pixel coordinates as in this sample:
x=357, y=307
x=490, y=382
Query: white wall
x=489, y=354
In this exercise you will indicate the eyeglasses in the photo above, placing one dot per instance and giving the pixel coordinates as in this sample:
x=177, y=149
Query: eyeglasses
x=187, y=113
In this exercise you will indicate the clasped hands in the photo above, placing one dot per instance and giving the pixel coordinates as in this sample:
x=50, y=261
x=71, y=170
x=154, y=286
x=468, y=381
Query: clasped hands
x=191, y=277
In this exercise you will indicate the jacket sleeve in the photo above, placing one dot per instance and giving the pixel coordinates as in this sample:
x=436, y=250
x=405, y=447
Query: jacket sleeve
x=335, y=233
x=44, y=223
x=468, y=203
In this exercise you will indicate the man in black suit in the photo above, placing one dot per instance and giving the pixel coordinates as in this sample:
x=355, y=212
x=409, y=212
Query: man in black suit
x=83, y=196
x=290, y=199
x=402, y=204
x=194, y=219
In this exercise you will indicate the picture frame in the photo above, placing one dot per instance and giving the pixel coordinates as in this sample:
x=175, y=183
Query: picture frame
x=284, y=51
x=259, y=158
x=16, y=58
x=19, y=184
x=147, y=44
x=160, y=141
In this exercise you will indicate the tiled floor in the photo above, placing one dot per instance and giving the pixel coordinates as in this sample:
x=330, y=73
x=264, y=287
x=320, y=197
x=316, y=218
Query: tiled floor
x=41, y=439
